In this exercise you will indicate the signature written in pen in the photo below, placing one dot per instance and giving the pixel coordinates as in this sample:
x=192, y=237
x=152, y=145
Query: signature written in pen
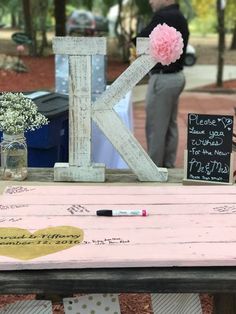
x=77, y=209
x=107, y=241
x=5, y=207
x=226, y=209
x=13, y=219
x=18, y=189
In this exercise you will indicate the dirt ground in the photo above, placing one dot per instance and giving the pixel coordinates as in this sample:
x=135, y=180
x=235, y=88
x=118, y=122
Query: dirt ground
x=41, y=71
x=40, y=75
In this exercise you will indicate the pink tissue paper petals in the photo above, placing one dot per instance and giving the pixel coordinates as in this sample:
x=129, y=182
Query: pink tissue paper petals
x=166, y=44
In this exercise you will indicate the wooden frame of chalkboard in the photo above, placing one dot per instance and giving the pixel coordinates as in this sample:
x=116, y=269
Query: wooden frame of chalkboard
x=209, y=158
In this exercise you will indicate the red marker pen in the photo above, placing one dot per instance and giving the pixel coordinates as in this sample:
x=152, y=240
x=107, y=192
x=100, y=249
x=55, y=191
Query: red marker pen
x=122, y=212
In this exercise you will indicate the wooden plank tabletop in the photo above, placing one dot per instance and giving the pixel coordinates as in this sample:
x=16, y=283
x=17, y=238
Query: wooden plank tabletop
x=123, y=279
x=121, y=176
x=116, y=280
x=57, y=227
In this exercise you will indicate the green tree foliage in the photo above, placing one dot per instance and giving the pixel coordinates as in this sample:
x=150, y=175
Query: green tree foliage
x=88, y=4
x=205, y=15
x=202, y=8
x=230, y=14
x=230, y=19
x=12, y=8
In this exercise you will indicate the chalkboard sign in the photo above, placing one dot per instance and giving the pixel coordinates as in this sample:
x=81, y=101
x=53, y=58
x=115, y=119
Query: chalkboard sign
x=209, y=148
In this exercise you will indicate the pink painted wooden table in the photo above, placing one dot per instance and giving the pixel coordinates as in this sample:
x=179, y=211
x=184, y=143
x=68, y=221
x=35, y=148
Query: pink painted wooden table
x=187, y=243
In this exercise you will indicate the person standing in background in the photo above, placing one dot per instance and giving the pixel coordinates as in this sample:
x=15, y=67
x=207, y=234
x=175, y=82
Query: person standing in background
x=164, y=88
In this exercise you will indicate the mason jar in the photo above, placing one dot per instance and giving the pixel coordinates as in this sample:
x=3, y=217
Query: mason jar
x=14, y=157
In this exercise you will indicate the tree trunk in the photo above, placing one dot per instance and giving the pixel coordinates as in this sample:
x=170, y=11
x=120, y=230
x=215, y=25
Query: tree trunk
x=221, y=43
x=13, y=20
x=122, y=35
x=27, y=16
x=60, y=17
x=43, y=8
x=29, y=30
x=233, y=43
x=20, y=18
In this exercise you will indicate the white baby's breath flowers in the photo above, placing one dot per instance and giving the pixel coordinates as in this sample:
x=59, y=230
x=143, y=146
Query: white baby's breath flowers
x=19, y=114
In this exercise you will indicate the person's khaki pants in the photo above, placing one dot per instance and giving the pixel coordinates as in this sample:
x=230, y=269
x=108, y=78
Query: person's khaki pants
x=161, y=117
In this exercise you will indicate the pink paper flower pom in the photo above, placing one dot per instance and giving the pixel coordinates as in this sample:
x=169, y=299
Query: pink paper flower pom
x=166, y=44
x=20, y=48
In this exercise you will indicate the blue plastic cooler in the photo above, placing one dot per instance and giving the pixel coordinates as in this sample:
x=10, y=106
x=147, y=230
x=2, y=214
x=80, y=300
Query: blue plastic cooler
x=49, y=144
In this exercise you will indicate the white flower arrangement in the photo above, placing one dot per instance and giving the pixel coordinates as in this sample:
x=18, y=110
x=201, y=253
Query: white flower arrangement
x=19, y=114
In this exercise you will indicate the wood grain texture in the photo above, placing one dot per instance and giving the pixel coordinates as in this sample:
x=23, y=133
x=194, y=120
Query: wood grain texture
x=128, y=147
x=124, y=83
x=118, y=176
x=111, y=125
x=115, y=280
x=66, y=172
x=182, y=228
x=80, y=50
x=220, y=280
x=79, y=45
x=80, y=111
x=142, y=46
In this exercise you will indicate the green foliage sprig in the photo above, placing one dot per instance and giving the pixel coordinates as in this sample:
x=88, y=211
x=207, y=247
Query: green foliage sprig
x=19, y=114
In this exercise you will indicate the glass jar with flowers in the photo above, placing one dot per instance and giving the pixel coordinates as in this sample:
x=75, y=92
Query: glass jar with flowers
x=18, y=114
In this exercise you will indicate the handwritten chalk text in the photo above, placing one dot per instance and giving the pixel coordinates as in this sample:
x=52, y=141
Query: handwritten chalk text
x=208, y=168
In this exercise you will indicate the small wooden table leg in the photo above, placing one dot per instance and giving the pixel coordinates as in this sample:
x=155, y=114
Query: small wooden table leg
x=224, y=303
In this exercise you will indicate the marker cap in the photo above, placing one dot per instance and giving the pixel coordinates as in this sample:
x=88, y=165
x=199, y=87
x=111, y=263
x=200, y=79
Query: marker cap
x=104, y=212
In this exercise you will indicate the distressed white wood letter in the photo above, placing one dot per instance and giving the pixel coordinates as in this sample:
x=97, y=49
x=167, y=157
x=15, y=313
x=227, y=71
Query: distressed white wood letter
x=81, y=111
